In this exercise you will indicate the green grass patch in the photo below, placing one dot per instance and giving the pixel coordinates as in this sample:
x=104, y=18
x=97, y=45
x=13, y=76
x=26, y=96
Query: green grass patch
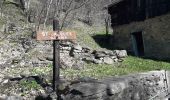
x=131, y=65
x=139, y=64
x=29, y=85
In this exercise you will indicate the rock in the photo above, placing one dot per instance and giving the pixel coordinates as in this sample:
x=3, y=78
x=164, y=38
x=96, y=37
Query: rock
x=77, y=51
x=66, y=48
x=77, y=47
x=121, y=53
x=120, y=60
x=5, y=81
x=108, y=60
x=108, y=52
x=86, y=50
x=116, y=60
x=89, y=89
x=114, y=88
x=49, y=58
x=113, y=57
x=97, y=61
x=89, y=59
x=99, y=55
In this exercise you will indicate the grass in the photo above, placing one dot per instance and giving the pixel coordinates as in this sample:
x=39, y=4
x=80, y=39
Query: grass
x=29, y=85
x=140, y=64
x=129, y=66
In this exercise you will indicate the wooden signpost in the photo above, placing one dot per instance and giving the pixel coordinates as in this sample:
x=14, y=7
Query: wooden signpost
x=56, y=36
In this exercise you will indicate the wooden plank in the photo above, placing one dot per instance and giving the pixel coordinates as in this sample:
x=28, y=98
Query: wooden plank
x=54, y=35
x=66, y=36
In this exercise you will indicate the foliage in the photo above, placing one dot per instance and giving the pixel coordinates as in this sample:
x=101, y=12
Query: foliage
x=29, y=85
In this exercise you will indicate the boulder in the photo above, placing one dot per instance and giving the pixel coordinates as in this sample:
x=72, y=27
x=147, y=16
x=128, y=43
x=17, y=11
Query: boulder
x=108, y=60
x=98, y=61
x=88, y=59
x=99, y=55
x=121, y=53
x=77, y=47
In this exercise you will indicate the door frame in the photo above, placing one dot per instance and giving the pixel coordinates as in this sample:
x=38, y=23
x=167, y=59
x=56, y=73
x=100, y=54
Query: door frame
x=134, y=42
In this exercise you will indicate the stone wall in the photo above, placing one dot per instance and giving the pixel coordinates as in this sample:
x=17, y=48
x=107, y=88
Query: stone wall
x=156, y=36
x=152, y=85
x=145, y=86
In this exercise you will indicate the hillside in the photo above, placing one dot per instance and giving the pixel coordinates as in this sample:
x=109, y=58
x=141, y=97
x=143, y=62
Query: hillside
x=26, y=64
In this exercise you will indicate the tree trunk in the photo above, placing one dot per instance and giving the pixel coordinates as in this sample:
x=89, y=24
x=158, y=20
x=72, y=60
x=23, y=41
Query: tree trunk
x=46, y=17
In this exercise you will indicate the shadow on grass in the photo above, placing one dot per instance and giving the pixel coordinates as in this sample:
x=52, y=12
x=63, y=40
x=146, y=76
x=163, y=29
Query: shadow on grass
x=167, y=60
x=103, y=41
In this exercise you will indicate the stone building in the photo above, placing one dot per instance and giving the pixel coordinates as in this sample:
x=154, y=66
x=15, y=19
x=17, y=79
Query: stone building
x=142, y=27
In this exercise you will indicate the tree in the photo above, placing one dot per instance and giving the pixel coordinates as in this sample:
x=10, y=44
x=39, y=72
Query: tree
x=46, y=10
x=42, y=12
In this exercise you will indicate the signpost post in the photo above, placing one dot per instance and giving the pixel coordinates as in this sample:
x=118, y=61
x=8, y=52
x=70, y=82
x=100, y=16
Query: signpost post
x=56, y=58
x=56, y=35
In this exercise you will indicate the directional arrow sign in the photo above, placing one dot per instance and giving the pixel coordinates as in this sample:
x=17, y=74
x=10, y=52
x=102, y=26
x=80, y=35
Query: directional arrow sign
x=54, y=35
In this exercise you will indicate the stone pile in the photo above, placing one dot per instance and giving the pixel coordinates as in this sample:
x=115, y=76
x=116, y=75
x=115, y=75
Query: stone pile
x=95, y=56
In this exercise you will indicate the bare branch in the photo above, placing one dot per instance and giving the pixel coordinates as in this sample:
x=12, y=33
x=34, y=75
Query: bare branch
x=46, y=17
x=69, y=10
